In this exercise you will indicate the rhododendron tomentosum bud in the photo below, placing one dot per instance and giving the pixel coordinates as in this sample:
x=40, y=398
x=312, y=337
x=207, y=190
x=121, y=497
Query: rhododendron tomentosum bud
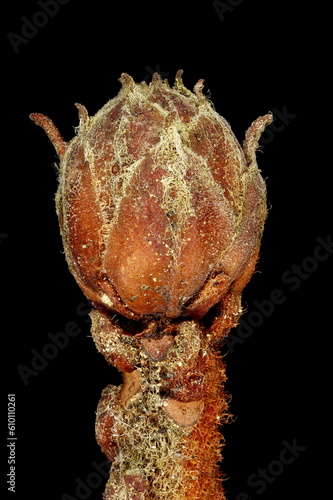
x=161, y=213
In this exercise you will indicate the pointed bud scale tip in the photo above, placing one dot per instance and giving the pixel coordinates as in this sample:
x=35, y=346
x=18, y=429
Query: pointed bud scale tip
x=160, y=212
x=127, y=81
x=83, y=114
x=51, y=131
x=198, y=89
x=179, y=76
x=253, y=135
x=156, y=79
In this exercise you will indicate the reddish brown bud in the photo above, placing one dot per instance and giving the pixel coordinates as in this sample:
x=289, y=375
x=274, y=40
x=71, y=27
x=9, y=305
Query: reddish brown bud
x=161, y=211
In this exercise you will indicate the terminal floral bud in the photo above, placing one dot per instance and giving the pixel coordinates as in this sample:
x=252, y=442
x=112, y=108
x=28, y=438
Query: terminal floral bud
x=160, y=209
x=161, y=213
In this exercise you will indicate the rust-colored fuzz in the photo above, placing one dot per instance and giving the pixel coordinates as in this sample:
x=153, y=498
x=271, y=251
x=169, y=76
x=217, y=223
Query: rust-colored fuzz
x=161, y=214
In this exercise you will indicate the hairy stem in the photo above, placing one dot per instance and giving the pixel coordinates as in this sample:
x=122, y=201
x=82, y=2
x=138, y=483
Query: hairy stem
x=161, y=427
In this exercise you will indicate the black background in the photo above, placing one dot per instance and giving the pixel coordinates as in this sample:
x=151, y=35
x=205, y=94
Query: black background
x=262, y=56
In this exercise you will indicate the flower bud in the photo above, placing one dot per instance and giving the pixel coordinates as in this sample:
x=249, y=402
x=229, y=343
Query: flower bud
x=161, y=210
x=161, y=213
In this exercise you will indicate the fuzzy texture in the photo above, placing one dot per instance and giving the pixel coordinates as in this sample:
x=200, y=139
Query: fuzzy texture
x=164, y=419
x=161, y=213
